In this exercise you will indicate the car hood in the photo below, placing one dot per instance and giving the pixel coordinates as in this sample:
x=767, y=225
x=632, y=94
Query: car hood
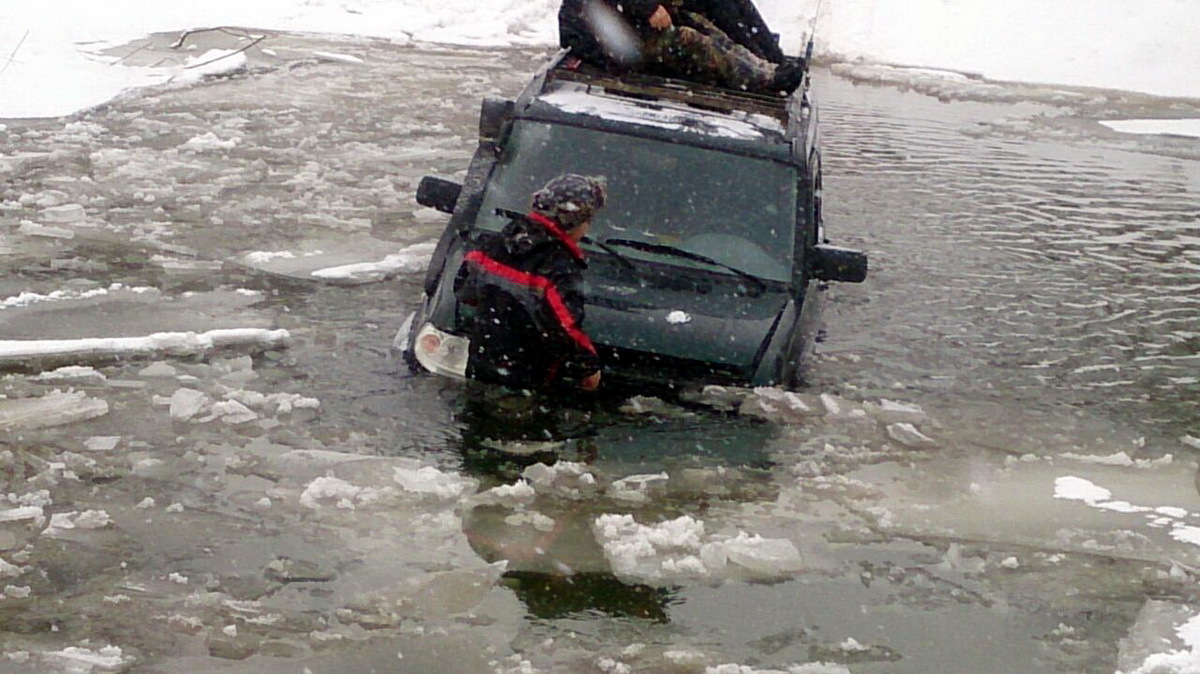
x=714, y=327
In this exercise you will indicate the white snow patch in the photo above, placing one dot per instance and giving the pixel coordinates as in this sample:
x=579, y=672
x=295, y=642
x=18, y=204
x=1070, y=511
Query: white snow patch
x=1078, y=489
x=678, y=317
x=685, y=120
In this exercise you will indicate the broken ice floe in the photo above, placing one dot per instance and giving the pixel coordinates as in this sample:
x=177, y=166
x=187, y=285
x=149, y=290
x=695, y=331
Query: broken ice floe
x=29, y=298
x=679, y=549
x=1164, y=639
x=900, y=423
x=83, y=659
x=238, y=407
x=807, y=668
x=1183, y=525
x=56, y=408
x=412, y=259
x=409, y=480
x=431, y=596
x=61, y=523
x=209, y=142
x=173, y=343
x=337, y=58
x=565, y=479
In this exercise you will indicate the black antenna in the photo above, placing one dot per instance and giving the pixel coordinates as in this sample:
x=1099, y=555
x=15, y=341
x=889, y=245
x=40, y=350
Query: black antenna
x=812, y=31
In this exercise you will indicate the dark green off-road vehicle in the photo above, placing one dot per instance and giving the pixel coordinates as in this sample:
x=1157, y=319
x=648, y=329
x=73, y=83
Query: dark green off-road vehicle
x=708, y=263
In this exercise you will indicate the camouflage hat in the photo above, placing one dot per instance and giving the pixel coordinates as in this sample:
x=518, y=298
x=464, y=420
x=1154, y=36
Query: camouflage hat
x=571, y=199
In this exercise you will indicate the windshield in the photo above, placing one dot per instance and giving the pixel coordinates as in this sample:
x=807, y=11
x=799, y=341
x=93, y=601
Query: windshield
x=737, y=210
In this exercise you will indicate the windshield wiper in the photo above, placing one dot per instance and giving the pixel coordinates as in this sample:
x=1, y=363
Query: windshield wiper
x=613, y=252
x=687, y=255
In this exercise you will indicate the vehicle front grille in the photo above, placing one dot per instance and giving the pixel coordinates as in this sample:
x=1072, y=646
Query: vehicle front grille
x=639, y=367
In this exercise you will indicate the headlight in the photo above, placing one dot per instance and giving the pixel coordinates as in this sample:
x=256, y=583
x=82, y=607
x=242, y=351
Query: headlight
x=440, y=352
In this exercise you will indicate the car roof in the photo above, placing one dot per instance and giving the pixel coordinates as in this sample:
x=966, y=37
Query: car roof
x=673, y=110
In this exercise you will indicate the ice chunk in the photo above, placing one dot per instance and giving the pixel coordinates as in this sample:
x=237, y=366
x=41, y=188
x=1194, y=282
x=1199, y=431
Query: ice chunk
x=102, y=443
x=337, y=58
x=233, y=412
x=33, y=514
x=678, y=549
x=93, y=519
x=908, y=435
x=9, y=570
x=414, y=258
x=770, y=557
x=64, y=215
x=181, y=343
x=510, y=495
x=635, y=488
x=53, y=409
x=807, y=668
x=891, y=412
x=207, y=142
x=650, y=552
x=158, y=369
x=186, y=403
x=33, y=229
x=776, y=404
x=88, y=519
x=330, y=488
x=564, y=478
x=430, y=482
x=74, y=373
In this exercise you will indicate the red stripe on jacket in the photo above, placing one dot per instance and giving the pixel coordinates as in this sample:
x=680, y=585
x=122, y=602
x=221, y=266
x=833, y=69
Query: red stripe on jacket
x=557, y=231
x=537, y=282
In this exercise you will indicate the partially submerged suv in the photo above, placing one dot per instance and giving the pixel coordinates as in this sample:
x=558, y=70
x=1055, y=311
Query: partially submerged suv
x=707, y=264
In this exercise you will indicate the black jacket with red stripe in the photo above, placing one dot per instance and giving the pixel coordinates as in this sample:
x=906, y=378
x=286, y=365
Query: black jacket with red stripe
x=521, y=305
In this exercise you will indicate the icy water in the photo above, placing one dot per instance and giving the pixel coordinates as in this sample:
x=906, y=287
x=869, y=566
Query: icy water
x=993, y=468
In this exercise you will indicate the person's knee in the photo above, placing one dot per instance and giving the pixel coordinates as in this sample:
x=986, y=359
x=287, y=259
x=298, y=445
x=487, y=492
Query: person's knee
x=689, y=37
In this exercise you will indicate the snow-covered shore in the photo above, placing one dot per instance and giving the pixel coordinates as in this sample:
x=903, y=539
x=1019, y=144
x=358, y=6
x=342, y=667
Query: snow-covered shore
x=53, y=60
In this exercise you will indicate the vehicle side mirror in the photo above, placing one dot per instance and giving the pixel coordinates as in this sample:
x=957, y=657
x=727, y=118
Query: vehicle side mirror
x=831, y=263
x=494, y=113
x=438, y=193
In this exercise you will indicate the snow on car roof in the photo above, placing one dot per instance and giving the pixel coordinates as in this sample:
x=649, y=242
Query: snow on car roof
x=666, y=114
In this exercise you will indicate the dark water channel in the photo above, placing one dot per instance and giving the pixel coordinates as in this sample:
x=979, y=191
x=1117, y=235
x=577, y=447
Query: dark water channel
x=1033, y=315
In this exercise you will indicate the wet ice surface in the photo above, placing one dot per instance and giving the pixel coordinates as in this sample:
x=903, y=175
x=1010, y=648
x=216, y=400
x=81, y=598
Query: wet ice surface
x=992, y=470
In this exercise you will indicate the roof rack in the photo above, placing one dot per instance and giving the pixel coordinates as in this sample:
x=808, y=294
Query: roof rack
x=640, y=85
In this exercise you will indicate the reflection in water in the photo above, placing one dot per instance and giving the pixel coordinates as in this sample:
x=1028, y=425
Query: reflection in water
x=555, y=563
x=550, y=596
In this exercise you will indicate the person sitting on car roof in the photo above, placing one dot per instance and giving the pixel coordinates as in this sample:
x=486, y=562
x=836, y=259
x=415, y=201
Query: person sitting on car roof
x=668, y=38
x=520, y=294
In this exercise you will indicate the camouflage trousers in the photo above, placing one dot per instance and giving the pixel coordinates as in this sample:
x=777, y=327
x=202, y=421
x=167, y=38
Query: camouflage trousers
x=697, y=50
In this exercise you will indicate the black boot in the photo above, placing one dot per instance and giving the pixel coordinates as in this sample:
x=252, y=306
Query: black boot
x=789, y=75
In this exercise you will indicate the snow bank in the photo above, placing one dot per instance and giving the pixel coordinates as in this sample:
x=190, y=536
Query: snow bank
x=56, y=66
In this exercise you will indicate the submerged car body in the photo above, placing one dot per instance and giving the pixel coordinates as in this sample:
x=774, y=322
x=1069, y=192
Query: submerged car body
x=708, y=262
